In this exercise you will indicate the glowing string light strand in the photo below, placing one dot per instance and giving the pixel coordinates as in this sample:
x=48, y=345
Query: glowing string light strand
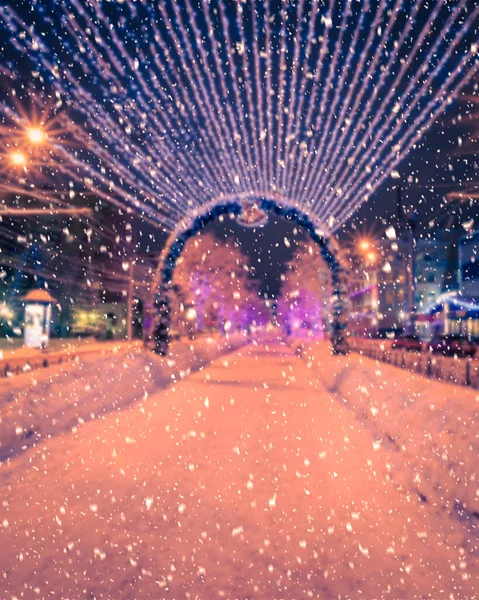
x=324, y=105
x=178, y=103
x=162, y=121
x=378, y=154
x=317, y=165
x=368, y=149
x=85, y=99
x=357, y=90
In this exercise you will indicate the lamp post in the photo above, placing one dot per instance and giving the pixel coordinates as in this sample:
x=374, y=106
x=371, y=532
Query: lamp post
x=131, y=291
x=369, y=258
x=190, y=317
x=411, y=272
x=409, y=258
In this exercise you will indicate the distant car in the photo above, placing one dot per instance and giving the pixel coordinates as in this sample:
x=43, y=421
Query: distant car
x=390, y=333
x=450, y=345
x=411, y=343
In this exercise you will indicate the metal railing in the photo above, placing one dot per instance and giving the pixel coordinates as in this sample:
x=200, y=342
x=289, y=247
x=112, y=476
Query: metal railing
x=461, y=371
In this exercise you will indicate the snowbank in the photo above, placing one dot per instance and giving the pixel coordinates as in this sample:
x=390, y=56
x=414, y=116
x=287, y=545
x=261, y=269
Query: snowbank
x=45, y=403
x=430, y=426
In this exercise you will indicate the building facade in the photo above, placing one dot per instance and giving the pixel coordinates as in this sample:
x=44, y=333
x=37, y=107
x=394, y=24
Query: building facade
x=384, y=293
x=469, y=267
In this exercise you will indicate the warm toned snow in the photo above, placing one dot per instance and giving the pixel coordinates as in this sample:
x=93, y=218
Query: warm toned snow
x=249, y=479
x=45, y=403
x=432, y=426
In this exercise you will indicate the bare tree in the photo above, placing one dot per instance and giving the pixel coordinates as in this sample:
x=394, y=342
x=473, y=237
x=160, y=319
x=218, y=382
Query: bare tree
x=305, y=292
x=212, y=277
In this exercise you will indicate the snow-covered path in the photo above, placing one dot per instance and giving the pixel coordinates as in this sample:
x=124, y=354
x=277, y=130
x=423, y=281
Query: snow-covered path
x=245, y=480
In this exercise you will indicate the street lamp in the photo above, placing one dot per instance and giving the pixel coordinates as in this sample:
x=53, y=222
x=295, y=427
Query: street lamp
x=18, y=159
x=36, y=135
x=370, y=257
x=31, y=137
x=190, y=316
x=364, y=245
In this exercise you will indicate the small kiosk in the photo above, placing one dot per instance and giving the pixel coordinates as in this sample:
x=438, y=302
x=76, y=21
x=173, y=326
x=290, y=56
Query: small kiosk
x=38, y=314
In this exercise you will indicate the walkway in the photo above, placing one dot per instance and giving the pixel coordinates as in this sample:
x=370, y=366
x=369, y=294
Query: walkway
x=243, y=481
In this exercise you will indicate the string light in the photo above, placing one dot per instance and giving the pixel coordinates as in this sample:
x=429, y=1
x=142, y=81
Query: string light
x=251, y=104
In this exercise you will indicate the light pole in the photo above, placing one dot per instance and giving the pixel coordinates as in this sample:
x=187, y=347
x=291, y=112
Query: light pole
x=34, y=136
x=409, y=259
x=190, y=316
x=369, y=258
x=411, y=272
x=131, y=285
x=130, y=238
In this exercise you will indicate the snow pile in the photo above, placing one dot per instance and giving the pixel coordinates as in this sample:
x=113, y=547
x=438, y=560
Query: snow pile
x=429, y=426
x=45, y=403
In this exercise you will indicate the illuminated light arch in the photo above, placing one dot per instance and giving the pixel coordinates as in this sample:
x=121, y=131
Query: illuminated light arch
x=235, y=207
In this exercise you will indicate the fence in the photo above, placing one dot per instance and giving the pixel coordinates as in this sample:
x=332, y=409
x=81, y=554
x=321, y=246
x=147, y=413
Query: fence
x=461, y=371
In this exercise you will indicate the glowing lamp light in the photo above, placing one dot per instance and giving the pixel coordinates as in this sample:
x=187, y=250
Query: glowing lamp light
x=18, y=159
x=36, y=135
x=364, y=245
x=6, y=312
x=371, y=257
x=190, y=314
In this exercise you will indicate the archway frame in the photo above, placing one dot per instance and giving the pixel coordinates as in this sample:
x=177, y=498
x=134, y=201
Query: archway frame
x=233, y=207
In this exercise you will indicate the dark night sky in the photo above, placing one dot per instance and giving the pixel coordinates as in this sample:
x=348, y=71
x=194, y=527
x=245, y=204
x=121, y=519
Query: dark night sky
x=446, y=160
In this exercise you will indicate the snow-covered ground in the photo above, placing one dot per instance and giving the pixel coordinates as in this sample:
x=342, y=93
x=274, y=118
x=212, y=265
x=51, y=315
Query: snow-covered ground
x=40, y=404
x=432, y=426
x=253, y=478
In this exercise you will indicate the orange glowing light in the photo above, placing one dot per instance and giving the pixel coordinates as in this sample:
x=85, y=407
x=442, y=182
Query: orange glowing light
x=36, y=135
x=18, y=159
x=364, y=245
